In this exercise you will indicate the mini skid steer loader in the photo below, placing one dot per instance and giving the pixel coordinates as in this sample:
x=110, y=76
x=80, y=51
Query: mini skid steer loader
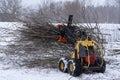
x=87, y=56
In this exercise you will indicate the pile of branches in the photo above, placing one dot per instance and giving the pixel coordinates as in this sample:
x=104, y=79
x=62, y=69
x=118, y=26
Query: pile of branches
x=47, y=35
x=39, y=26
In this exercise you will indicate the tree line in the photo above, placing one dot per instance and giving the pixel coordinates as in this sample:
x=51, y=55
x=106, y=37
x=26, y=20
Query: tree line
x=50, y=11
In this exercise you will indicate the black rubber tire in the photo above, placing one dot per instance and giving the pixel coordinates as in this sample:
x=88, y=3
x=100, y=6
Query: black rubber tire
x=103, y=67
x=63, y=62
x=76, y=68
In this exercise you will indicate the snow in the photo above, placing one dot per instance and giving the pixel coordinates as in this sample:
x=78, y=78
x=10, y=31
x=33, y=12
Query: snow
x=10, y=71
x=26, y=74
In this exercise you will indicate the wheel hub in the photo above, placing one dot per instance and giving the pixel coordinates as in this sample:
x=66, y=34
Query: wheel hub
x=71, y=67
x=62, y=66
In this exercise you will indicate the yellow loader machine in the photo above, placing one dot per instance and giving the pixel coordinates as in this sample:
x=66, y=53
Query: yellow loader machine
x=87, y=56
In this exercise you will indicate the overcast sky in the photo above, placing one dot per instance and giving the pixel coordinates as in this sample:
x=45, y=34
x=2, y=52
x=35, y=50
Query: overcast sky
x=30, y=2
x=94, y=2
x=35, y=2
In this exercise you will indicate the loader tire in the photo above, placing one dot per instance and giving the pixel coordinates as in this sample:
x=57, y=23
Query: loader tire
x=74, y=68
x=63, y=65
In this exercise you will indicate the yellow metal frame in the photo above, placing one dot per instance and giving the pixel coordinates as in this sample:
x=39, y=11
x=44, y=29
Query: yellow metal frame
x=86, y=43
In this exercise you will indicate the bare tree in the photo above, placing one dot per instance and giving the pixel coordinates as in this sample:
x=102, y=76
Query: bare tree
x=119, y=9
x=9, y=9
x=118, y=4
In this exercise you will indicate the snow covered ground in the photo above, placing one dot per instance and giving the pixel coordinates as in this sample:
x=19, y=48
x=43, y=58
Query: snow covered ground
x=11, y=71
